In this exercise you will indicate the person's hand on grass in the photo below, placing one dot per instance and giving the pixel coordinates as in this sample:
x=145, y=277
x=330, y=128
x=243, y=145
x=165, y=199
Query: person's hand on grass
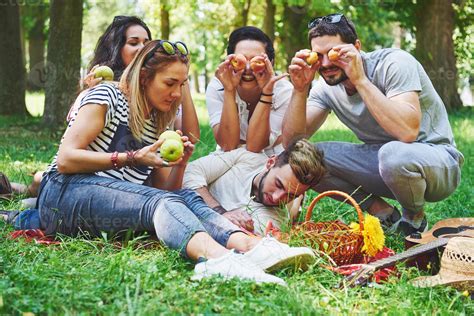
x=241, y=218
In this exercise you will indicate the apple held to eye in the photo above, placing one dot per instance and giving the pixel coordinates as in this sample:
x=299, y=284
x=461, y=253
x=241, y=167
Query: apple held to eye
x=333, y=55
x=104, y=72
x=312, y=58
x=257, y=64
x=239, y=62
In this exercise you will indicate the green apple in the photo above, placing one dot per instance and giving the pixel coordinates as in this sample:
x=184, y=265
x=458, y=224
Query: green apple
x=170, y=135
x=171, y=149
x=105, y=72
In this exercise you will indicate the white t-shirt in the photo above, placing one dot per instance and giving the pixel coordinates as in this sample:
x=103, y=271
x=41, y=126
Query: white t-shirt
x=281, y=99
x=228, y=176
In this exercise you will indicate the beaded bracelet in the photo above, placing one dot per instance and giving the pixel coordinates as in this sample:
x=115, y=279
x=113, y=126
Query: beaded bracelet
x=114, y=160
x=131, y=162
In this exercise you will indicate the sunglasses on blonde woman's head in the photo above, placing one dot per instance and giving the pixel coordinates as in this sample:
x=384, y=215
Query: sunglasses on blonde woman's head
x=170, y=48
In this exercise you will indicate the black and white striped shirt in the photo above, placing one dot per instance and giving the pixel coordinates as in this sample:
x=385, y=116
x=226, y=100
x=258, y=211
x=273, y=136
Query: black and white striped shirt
x=116, y=135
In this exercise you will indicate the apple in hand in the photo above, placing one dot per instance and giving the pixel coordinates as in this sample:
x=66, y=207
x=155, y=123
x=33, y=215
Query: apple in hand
x=104, y=72
x=312, y=58
x=171, y=150
x=170, y=135
x=257, y=64
x=333, y=55
x=239, y=62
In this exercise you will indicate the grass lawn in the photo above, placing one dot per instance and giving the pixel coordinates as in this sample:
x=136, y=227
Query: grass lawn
x=97, y=277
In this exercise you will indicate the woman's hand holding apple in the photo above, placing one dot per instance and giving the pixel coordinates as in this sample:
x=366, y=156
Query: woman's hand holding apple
x=90, y=80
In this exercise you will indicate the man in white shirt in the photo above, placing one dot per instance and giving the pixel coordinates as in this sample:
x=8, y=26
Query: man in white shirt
x=250, y=188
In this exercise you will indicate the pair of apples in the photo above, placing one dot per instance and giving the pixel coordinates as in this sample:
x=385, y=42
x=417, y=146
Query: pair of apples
x=239, y=62
x=313, y=57
x=172, y=148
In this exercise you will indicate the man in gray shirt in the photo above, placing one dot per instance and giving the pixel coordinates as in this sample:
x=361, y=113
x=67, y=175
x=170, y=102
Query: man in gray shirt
x=386, y=98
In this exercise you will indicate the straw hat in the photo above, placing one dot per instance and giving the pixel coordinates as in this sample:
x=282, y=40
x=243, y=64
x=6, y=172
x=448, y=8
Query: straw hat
x=457, y=266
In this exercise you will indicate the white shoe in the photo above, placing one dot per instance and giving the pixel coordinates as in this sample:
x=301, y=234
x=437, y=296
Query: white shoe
x=233, y=265
x=271, y=255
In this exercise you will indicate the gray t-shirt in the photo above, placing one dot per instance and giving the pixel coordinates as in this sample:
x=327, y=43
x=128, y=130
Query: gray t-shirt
x=393, y=72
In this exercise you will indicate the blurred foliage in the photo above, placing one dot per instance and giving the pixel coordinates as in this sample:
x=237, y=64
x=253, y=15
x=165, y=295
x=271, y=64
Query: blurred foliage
x=205, y=25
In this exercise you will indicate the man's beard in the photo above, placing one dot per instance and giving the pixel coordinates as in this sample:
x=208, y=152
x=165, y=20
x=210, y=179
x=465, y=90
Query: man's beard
x=259, y=195
x=332, y=81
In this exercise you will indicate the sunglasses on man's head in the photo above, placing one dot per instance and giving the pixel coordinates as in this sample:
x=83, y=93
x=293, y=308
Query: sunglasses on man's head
x=170, y=48
x=331, y=19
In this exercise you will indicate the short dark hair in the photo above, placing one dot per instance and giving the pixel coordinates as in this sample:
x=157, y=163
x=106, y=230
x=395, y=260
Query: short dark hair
x=305, y=160
x=345, y=29
x=250, y=33
x=108, y=49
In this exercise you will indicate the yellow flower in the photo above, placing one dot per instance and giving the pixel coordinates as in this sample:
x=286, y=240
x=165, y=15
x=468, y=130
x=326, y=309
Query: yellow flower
x=374, y=238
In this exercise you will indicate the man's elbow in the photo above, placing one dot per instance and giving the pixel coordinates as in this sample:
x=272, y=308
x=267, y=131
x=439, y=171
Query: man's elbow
x=410, y=135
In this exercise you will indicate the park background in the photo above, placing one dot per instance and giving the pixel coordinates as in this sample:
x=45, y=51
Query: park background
x=45, y=50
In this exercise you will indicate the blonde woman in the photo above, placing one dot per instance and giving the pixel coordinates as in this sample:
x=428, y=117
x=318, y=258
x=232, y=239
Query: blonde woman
x=94, y=185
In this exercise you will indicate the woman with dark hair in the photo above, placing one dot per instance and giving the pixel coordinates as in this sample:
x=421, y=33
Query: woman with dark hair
x=94, y=184
x=116, y=48
x=246, y=106
x=121, y=41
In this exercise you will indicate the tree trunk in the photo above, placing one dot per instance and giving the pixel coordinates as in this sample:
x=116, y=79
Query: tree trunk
x=165, y=19
x=245, y=12
x=12, y=69
x=434, y=21
x=196, y=80
x=294, y=37
x=269, y=20
x=36, y=46
x=63, y=61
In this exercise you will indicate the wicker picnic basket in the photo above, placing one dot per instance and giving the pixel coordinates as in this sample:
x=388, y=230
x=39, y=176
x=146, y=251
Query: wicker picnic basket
x=334, y=238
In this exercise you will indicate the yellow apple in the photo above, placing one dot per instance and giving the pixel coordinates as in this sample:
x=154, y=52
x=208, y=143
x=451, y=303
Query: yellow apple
x=104, y=72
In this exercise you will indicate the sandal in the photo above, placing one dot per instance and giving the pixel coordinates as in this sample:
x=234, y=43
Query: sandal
x=5, y=187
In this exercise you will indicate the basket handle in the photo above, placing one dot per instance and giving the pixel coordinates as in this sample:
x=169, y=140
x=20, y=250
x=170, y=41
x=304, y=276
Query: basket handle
x=340, y=193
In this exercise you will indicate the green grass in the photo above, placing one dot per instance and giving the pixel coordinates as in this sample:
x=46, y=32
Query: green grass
x=82, y=276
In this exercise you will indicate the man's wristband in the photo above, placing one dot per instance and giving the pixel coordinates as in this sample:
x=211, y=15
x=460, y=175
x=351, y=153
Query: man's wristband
x=219, y=209
x=265, y=102
x=267, y=94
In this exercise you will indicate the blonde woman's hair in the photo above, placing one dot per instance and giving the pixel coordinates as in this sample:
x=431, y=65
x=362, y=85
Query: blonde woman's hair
x=136, y=76
x=305, y=160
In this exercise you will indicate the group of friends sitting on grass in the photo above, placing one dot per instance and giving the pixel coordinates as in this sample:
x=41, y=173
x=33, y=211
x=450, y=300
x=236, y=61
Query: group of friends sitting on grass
x=108, y=174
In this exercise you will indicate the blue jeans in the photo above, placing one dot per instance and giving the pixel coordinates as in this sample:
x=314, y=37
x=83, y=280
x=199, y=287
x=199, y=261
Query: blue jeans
x=90, y=204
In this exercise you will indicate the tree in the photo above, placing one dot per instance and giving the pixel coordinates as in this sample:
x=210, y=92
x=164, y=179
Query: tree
x=269, y=19
x=436, y=51
x=165, y=19
x=295, y=34
x=12, y=69
x=63, y=60
x=33, y=18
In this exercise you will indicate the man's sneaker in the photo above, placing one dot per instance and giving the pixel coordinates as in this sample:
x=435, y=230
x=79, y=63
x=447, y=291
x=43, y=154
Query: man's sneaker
x=406, y=228
x=271, y=255
x=233, y=265
x=390, y=224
